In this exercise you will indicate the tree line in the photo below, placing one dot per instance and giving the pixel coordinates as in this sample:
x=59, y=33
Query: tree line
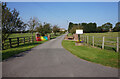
x=12, y=23
x=92, y=27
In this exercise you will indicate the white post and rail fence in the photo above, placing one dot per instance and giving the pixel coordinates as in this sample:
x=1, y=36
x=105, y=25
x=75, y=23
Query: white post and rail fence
x=102, y=42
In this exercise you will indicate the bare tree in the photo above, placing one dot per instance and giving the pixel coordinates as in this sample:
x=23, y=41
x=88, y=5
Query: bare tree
x=33, y=23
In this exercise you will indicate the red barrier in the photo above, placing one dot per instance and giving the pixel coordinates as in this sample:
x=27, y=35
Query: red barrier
x=38, y=37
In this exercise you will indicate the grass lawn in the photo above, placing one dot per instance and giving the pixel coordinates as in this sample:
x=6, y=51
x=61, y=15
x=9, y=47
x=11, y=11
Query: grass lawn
x=104, y=57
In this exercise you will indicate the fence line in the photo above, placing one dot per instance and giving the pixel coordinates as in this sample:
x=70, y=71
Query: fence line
x=102, y=41
x=17, y=41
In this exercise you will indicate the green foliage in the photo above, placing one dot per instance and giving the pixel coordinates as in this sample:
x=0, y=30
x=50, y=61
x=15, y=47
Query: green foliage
x=47, y=28
x=99, y=29
x=70, y=26
x=84, y=27
x=39, y=29
x=117, y=27
x=106, y=27
x=104, y=57
x=44, y=29
x=90, y=27
x=10, y=22
x=75, y=26
x=55, y=29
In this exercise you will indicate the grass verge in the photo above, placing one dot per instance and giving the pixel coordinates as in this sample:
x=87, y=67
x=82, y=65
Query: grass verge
x=12, y=51
x=104, y=57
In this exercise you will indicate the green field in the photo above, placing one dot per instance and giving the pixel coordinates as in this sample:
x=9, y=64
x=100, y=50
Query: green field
x=20, y=35
x=110, y=39
x=104, y=57
x=27, y=34
x=107, y=34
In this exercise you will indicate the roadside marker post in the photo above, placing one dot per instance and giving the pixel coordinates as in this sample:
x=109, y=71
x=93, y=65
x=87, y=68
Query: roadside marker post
x=117, y=44
x=79, y=31
x=103, y=42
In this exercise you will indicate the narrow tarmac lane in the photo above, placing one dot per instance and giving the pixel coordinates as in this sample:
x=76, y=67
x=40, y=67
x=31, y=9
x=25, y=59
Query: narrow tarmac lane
x=52, y=60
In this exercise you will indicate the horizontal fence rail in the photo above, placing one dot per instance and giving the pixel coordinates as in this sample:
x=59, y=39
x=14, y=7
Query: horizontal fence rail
x=14, y=42
x=102, y=41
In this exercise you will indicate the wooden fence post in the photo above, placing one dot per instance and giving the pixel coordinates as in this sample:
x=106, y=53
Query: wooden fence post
x=24, y=40
x=117, y=44
x=18, y=41
x=83, y=38
x=29, y=39
x=32, y=39
x=2, y=46
x=103, y=42
x=93, y=41
x=10, y=42
x=87, y=39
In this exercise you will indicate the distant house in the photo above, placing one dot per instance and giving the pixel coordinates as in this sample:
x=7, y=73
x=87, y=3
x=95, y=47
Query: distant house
x=62, y=29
